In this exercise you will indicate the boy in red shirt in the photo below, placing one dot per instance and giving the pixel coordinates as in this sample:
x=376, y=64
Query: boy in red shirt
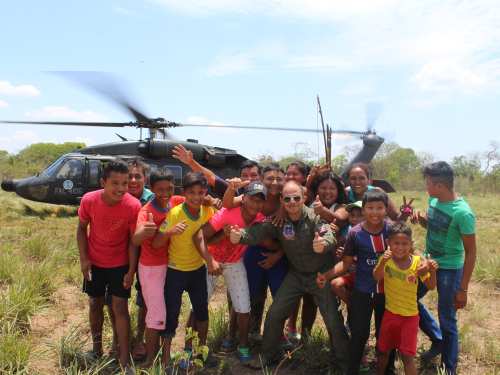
x=153, y=262
x=107, y=255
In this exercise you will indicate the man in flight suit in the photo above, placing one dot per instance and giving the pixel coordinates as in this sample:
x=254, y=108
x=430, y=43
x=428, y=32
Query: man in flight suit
x=307, y=242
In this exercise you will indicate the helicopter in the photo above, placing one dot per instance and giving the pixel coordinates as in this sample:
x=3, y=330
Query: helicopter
x=70, y=177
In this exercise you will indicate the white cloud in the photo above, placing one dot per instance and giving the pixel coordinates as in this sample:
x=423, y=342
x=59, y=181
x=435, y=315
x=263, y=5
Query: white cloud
x=67, y=113
x=196, y=120
x=446, y=75
x=87, y=141
x=3, y=104
x=22, y=90
x=127, y=12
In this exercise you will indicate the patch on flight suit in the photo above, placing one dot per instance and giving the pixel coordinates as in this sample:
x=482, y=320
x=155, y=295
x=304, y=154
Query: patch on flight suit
x=264, y=220
x=304, y=232
x=323, y=229
x=288, y=232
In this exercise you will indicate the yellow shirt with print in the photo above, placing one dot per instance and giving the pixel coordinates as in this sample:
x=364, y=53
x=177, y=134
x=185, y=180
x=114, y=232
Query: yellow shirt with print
x=182, y=254
x=400, y=287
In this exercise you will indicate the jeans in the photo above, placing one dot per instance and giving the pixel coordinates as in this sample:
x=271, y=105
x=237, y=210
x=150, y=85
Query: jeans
x=448, y=282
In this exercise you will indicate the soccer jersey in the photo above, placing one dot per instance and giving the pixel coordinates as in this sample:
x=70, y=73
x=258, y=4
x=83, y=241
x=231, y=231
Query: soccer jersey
x=368, y=247
x=110, y=228
x=446, y=222
x=401, y=286
x=149, y=255
x=182, y=254
x=225, y=251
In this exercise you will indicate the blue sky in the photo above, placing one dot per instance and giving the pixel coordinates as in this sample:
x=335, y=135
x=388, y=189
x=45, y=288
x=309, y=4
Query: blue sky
x=434, y=65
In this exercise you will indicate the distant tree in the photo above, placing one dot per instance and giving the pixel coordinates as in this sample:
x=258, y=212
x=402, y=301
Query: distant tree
x=43, y=154
x=265, y=158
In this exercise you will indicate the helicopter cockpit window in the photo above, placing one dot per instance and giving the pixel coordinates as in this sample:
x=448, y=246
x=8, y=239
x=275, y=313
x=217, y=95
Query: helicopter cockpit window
x=72, y=170
x=177, y=172
x=94, y=173
x=54, y=167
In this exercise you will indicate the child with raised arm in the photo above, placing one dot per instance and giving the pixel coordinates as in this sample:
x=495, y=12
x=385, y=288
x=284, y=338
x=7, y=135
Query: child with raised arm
x=153, y=262
x=186, y=268
x=398, y=267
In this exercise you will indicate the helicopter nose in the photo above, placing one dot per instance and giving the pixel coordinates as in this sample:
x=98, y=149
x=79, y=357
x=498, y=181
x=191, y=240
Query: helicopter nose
x=10, y=184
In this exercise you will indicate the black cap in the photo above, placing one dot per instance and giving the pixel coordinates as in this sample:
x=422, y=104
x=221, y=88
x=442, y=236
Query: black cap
x=256, y=187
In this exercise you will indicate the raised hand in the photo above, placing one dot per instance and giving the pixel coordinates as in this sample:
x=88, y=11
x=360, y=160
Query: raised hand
x=321, y=281
x=150, y=227
x=433, y=265
x=182, y=154
x=318, y=243
x=406, y=209
x=334, y=226
x=178, y=228
x=417, y=216
x=318, y=206
x=387, y=255
x=235, y=235
x=217, y=203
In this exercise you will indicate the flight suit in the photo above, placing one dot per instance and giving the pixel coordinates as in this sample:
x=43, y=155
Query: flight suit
x=304, y=265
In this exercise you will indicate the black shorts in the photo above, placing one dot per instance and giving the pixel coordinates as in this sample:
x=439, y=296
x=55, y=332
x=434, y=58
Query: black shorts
x=195, y=283
x=139, y=298
x=110, y=277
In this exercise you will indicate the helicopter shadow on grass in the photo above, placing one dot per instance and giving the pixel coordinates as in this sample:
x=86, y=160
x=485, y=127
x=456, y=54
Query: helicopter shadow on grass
x=45, y=212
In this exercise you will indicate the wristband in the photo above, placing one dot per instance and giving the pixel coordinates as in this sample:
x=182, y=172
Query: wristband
x=463, y=290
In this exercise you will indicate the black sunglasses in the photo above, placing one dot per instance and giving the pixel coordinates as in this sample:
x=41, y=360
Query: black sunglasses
x=296, y=198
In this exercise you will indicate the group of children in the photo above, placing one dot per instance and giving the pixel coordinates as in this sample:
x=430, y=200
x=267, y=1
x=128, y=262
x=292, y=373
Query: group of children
x=301, y=233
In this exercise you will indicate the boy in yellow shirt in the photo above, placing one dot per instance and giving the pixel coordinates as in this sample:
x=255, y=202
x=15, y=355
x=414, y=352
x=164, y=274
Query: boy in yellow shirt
x=398, y=267
x=186, y=268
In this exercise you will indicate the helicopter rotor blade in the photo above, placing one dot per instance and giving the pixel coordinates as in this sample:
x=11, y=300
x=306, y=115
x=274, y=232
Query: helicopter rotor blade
x=267, y=128
x=106, y=124
x=167, y=135
x=106, y=85
x=373, y=110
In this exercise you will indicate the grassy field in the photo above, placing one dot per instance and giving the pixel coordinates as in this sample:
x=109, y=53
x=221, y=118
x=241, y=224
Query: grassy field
x=43, y=323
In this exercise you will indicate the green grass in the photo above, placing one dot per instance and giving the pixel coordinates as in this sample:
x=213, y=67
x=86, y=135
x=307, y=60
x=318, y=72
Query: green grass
x=16, y=349
x=38, y=247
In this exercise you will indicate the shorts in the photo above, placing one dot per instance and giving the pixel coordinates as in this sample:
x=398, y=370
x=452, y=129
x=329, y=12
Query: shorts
x=153, y=283
x=349, y=280
x=112, y=278
x=398, y=332
x=195, y=283
x=139, y=298
x=274, y=276
x=235, y=276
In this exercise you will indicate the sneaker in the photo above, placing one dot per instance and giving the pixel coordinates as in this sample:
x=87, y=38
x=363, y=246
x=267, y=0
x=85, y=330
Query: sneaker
x=292, y=334
x=262, y=361
x=286, y=345
x=244, y=354
x=186, y=359
x=435, y=350
x=210, y=361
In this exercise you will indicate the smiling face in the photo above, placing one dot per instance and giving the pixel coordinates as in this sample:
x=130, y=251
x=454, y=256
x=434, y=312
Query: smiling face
x=274, y=181
x=374, y=212
x=253, y=204
x=115, y=187
x=358, y=181
x=136, y=181
x=195, y=196
x=293, y=174
x=250, y=174
x=293, y=208
x=400, y=245
x=163, y=190
x=328, y=192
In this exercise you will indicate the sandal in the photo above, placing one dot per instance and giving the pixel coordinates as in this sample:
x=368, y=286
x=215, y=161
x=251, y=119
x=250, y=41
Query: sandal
x=114, y=352
x=139, y=354
x=226, y=346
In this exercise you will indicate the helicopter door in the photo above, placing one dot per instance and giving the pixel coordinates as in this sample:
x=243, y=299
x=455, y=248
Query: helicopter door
x=93, y=175
x=68, y=182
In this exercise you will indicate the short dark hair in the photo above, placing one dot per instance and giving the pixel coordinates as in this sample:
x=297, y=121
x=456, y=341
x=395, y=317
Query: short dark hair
x=251, y=164
x=138, y=163
x=194, y=178
x=299, y=164
x=273, y=167
x=115, y=165
x=440, y=172
x=366, y=167
x=342, y=196
x=160, y=174
x=375, y=195
x=398, y=227
x=293, y=182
